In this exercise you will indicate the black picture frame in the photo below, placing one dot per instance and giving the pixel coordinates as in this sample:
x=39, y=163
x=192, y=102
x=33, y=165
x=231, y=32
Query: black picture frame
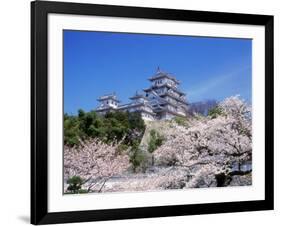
x=39, y=112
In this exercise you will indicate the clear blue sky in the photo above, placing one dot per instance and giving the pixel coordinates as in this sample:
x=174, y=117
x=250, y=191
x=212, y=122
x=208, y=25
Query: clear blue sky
x=97, y=63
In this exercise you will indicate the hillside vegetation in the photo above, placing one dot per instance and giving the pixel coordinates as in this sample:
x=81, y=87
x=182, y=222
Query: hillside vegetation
x=111, y=127
x=121, y=152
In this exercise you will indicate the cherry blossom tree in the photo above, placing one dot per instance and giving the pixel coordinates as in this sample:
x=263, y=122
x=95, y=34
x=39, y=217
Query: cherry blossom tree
x=95, y=162
x=211, y=146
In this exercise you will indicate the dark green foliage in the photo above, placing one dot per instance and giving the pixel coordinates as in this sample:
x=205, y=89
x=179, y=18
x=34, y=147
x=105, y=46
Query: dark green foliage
x=155, y=141
x=72, y=131
x=137, y=156
x=215, y=112
x=114, y=126
x=75, y=184
x=135, y=121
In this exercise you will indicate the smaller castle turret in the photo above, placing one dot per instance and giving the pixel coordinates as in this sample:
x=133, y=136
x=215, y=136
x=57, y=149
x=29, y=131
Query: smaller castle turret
x=108, y=102
x=138, y=98
x=139, y=104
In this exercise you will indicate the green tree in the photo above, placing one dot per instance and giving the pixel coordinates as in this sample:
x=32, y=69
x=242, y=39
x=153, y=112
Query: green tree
x=136, y=121
x=138, y=157
x=155, y=141
x=72, y=132
x=75, y=184
x=113, y=126
x=215, y=112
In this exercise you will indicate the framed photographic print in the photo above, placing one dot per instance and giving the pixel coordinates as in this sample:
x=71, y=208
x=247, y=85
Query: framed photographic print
x=144, y=112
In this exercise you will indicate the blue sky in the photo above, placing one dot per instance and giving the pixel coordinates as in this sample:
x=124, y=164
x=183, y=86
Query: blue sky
x=97, y=63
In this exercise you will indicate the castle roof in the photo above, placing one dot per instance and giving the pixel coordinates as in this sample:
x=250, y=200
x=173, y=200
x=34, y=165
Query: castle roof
x=108, y=97
x=163, y=85
x=128, y=106
x=138, y=96
x=108, y=108
x=173, y=96
x=160, y=74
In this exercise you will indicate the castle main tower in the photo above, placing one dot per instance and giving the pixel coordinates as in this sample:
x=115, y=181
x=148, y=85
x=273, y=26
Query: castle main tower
x=165, y=97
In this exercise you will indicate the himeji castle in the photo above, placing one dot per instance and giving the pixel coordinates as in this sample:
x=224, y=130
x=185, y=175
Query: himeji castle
x=162, y=100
